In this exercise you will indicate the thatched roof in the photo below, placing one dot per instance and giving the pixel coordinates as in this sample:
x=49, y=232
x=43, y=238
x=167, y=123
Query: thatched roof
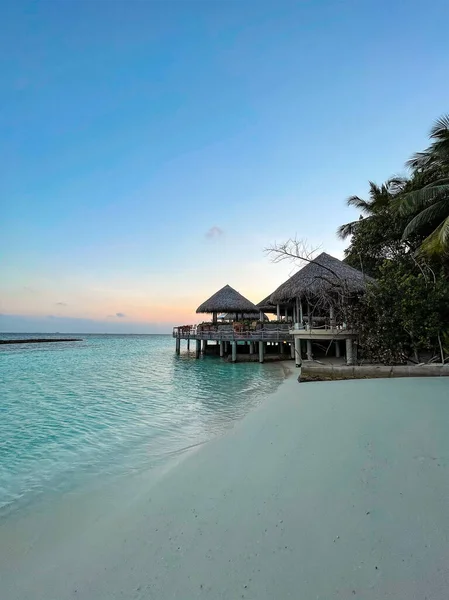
x=266, y=305
x=227, y=300
x=323, y=276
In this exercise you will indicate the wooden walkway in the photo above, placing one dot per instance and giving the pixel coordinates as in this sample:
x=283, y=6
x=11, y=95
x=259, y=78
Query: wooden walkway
x=233, y=339
x=265, y=335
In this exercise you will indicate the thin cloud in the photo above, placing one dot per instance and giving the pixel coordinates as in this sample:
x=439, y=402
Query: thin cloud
x=61, y=304
x=214, y=232
x=118, y=315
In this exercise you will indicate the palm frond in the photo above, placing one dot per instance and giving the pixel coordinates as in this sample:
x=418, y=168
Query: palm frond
x=444, y=233
x=437, y=243
x=419, y=161
x=397, y=184
x=440, y=127
x=436, y=156
x=374, y=190
x=413, y=202
x=438, y=182
x=426, y=217
x=344, y=231
x=359, y=203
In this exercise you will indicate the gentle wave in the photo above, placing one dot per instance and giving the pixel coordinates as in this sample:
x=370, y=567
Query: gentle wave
x=110, y=404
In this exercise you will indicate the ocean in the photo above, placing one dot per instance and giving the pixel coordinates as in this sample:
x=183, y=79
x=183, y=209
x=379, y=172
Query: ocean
x=77, y=413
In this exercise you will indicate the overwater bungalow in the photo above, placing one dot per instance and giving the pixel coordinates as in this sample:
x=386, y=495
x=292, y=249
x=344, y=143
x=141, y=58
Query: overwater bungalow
x=227, y=300
x=309, y=308
x=320, y=293
x=245, y=331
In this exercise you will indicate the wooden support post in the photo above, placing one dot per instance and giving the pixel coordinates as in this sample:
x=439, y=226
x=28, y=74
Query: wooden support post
x=292, y=349
x=301, y=316
x=178, y=345
x=349, y=355
x=222, y=349
x=278, y=312
x=188, y=344
x=309, y=350
x=286, y=313
x=234, y=351
x=337, y=349
x=261, y=349
x=298, y=359
x=198, y=348
x=251, y=347
x=261, y=316
x=204, y=348
x=331, y=316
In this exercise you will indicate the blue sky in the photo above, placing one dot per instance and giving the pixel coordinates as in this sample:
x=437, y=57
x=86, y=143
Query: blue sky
x=151, y=150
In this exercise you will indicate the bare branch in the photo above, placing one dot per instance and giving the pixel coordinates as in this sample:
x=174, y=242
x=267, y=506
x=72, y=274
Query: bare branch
x=294, y=249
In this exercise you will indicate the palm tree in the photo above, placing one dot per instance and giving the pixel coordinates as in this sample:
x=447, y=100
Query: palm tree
x=378, y=205
x=427, y=205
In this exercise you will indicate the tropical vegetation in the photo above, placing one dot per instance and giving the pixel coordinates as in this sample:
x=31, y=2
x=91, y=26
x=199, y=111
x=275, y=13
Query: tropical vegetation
x=402, y=240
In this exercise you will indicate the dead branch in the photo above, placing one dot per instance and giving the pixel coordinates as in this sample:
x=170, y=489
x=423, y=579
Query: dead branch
x=295, y=250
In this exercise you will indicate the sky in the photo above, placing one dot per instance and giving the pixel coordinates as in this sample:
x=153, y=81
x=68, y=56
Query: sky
x=151, y=151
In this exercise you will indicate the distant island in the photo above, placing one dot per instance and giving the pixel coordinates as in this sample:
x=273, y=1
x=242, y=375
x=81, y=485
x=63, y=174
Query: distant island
x=40, y=340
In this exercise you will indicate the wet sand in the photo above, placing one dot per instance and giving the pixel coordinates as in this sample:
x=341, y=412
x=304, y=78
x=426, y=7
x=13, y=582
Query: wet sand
x=326, y=490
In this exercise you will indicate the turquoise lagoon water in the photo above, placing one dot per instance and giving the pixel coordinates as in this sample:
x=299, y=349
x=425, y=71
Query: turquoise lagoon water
x=111, y=404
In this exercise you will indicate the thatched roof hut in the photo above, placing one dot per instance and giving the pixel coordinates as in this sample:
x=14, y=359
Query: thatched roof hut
x=227, y=300
x=322, y=277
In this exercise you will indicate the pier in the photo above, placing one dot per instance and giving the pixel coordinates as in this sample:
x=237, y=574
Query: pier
x=257, y=342
x=309, y=316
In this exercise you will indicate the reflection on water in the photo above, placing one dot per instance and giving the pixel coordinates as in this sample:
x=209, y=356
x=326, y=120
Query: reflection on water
x=111, y=404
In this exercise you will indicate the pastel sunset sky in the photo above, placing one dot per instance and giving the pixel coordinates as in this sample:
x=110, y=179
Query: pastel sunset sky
x=150, y=151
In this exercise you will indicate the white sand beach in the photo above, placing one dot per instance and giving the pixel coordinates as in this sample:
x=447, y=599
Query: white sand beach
x=326, y=490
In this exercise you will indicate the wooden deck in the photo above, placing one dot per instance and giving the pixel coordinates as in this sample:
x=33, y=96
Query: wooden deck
x=323, y=333
x=259, y=335
x=261, y=338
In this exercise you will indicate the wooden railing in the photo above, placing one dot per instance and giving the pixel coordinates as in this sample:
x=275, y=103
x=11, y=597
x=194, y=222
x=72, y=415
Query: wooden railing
x=221, y=334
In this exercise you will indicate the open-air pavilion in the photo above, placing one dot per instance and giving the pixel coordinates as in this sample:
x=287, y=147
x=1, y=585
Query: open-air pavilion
x=320, y=291
x=284, y=311
x=309, y=307
x=227, y=301
x=248, y=330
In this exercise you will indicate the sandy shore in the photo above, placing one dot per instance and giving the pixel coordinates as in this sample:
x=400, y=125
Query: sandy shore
x=327, y=490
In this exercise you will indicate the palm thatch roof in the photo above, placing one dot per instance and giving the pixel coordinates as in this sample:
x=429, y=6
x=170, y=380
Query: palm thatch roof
x=322, y=277
x=227, y=300
x=266, y=305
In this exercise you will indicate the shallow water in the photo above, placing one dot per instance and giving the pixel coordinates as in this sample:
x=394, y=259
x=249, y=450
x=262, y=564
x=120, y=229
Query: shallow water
x=110, y=404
